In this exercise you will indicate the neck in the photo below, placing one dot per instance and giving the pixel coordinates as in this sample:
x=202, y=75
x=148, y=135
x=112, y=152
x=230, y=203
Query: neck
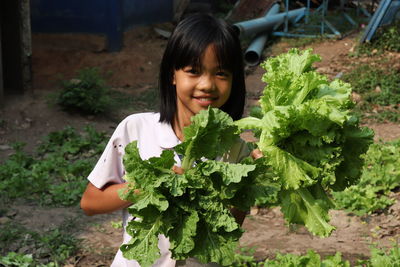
x=180, y=122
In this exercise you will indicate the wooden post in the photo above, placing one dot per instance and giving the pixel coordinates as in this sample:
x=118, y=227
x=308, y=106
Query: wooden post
x=26, y=45
x=1, y=72
x=16, y=47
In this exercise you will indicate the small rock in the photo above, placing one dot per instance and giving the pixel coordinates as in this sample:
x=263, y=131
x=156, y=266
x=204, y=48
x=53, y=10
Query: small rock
x=25, y=250
x=4, y=220
x=254, y=210
x=356, y=97
x=25, y=125
x=11, y=213
x=5, y=147
x=339, y=75
x=74, y=81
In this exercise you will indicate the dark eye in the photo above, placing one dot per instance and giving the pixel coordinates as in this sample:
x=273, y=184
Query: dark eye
x=191, y=70
x=223, y=73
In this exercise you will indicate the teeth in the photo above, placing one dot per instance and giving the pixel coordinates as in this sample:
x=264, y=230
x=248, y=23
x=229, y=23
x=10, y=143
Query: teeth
x=205, y=99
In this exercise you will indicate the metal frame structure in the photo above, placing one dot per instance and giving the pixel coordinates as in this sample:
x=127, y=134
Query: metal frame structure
x=385, y=13
x=324, y=27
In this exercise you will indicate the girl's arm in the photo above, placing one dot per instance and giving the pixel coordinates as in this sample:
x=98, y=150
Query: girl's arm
x=104, y=200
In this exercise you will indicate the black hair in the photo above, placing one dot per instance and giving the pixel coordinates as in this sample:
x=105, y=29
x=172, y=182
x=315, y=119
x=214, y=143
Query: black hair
x=186, y=46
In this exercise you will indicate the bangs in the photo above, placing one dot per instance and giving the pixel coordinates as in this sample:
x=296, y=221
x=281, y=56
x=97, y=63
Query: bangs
x=191, y=53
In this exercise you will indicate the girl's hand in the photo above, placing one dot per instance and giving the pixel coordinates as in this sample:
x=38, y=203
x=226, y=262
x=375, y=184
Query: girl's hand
x=239, y=215
x=177, y=170
x=256, y=154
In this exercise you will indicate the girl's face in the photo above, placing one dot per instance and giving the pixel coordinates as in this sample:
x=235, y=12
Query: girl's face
x=196, y=89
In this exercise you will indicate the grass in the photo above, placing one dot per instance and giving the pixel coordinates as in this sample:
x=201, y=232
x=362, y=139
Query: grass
x=56, y=173
x=379, y=91
x=24, y=247
x=386, y=39
x=378, y=81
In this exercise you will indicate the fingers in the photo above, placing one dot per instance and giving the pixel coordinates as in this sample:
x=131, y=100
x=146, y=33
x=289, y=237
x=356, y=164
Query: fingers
x=177, y=170
x=256, y=154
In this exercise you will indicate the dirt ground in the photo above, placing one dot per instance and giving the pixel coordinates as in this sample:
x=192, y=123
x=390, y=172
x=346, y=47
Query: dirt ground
x=30, y=117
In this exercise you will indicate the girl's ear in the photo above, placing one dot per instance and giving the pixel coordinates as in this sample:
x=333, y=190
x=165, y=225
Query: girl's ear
x=173, y=80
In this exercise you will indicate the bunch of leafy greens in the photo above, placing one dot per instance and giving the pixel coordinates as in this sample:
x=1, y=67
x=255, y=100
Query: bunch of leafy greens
x=308, y=137
x=310, y=259
x=191, y=209
x=382, y=257
x=379, y=257
x=381, y=174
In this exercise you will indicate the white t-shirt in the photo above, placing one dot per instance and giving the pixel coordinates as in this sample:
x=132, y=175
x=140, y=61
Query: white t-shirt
x=152, y=138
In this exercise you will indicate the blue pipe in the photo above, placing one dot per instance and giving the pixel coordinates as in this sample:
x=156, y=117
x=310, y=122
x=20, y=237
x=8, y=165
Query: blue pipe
x=265, y=24
x=252, y=55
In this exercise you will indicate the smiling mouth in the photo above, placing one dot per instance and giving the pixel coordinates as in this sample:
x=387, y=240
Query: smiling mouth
x=205, y=101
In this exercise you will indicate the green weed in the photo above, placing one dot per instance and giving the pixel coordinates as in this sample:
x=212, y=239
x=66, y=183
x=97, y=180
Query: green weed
x=86, y=93
x=116, y=225
x=383, y=257
x=16, y=259
x=50, y=248
x=380, y=176
x=56, y=174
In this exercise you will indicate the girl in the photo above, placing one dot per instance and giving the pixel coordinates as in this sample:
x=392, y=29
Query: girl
x=202, y=66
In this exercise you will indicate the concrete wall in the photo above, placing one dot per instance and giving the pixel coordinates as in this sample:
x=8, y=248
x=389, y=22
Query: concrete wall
x=107, y=17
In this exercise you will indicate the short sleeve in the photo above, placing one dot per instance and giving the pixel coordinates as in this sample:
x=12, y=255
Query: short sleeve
x=109, y=168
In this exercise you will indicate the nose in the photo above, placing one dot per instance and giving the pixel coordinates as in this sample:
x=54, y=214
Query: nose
x=206, y=83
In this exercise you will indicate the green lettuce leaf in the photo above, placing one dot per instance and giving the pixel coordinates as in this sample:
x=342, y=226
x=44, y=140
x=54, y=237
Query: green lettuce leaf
x=310, y=141
x=202, y=142
x=182, y=235
x=144, y=243
x=192, y=209
x=302, y=207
